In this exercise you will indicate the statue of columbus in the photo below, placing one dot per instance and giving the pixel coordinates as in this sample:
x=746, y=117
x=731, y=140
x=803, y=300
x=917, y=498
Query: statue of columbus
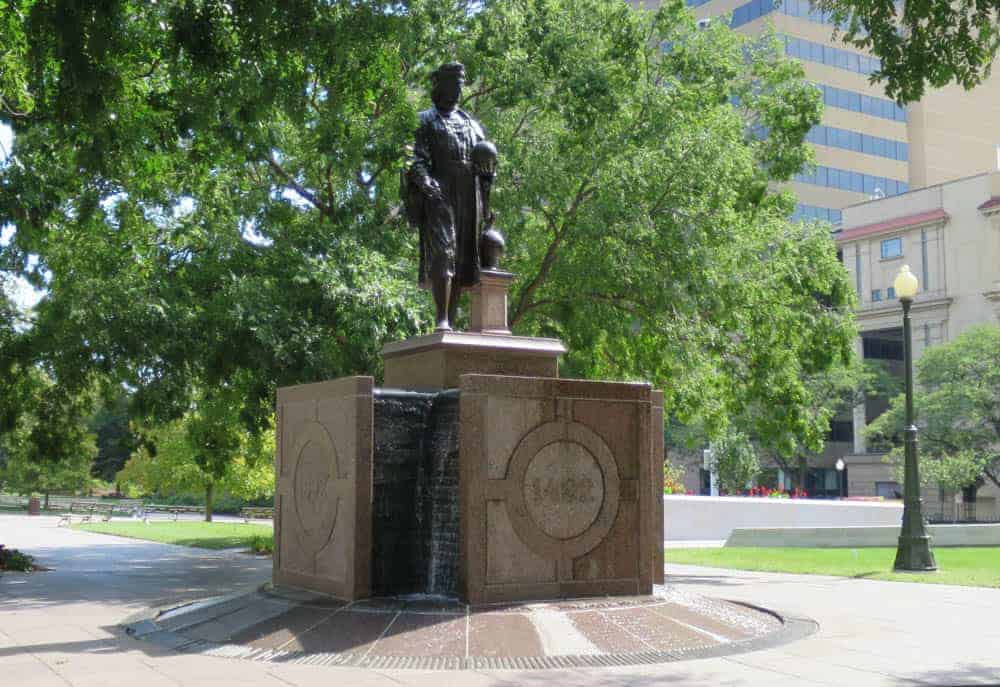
x=446, y=188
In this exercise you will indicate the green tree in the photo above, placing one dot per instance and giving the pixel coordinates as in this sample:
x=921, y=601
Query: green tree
x=48, y=449
x=207, y=192
x=115, y=439
x=957, y=408
x=929, y=43
x=637, y=203
x=183, y=457
x=734, y=459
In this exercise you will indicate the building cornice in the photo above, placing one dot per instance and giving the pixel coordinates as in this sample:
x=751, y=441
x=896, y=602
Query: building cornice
x=990, y=207
x=871, y=312
x=895, y=224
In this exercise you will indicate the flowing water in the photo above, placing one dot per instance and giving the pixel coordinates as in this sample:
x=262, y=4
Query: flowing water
x=416, y=515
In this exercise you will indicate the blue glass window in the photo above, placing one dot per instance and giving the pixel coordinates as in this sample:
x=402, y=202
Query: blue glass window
x=812, y=212
x=858, y=142
x=848, y=180
x=833, y=57
x=892, y=248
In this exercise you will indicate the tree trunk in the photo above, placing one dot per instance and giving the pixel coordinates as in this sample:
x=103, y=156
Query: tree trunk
x=46, y=500
x=209, y=494
x=803, y=468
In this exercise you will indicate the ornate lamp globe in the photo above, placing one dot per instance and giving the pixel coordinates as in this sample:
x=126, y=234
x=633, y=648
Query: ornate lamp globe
x=905, y=284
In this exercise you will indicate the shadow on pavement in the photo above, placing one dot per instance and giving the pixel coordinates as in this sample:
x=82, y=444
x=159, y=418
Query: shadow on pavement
x=93, y=647
x=963, y=674
x=126, y=574
x=711, y=580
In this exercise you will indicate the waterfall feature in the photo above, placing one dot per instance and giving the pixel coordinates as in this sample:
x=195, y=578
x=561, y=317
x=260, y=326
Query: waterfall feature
x=440, y=488
x=415, y=478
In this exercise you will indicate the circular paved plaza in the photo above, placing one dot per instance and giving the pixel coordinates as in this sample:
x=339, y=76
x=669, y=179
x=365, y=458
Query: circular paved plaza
x=286, y=626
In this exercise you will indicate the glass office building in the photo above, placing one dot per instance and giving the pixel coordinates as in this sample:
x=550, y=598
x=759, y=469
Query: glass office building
x=866, y=146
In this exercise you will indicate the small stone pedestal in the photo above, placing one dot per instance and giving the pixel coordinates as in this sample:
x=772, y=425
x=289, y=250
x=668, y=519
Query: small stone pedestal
x=488, y=302
x=437, y=361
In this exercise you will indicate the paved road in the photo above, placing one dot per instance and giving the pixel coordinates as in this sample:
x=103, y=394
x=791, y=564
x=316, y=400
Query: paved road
x=61, y=627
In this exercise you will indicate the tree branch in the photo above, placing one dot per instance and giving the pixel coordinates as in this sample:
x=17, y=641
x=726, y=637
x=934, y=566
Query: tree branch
x=559, y=233
x=524, y=119
x=299, y=188
x=993, y=476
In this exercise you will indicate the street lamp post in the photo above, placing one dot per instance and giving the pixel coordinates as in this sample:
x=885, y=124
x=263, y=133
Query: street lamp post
x=914, y=551
x=840, y=465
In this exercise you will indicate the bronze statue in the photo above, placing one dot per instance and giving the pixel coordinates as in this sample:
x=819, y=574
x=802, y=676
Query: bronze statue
x=447, y=194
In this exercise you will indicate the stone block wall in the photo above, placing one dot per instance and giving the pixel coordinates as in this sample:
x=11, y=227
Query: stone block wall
x=557, y=488
x=323, y=504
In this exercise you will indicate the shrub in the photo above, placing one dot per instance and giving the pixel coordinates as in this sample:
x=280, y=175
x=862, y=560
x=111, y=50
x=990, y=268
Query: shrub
x=262, y=544
x=673, y=478
x=12, y=559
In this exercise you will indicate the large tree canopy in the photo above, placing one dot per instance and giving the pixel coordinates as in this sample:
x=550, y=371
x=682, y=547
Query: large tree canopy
x=211, y=191
x=957, y=406
x=923, y=43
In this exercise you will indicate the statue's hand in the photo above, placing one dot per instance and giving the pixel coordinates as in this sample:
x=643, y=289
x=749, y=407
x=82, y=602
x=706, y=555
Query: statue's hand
x=430, y=188
x=487, y=168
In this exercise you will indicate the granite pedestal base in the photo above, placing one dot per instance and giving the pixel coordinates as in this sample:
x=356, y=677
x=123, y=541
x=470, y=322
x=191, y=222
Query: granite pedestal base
x=556, y=493
x=438, y=360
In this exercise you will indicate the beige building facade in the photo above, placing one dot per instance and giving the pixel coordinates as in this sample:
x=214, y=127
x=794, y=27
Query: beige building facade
x=866, y=145
x=949, y=235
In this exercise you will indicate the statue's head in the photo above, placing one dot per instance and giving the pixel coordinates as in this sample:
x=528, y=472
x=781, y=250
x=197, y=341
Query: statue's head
x=448, y=80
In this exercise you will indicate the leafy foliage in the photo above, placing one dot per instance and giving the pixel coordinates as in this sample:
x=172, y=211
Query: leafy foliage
x=957, y=408
x=49, y=448
x=12, y=559
x=921, y=44
x=206, y=190
x=673, y=478
x=202, y=453
x=115, y=439
x=734, y=459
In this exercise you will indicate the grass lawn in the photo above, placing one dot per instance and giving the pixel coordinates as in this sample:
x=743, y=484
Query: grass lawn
x=971, y=567
x=208, y=535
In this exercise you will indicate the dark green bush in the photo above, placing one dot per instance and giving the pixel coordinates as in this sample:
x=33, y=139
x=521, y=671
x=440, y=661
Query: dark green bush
x=262, y=543
x=12, y=559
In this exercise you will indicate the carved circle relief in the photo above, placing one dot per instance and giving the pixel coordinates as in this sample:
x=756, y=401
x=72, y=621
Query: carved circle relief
x=563, y=489
x=316, y=497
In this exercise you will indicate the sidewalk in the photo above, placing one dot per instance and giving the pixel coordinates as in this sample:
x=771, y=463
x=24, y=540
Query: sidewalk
x=61, y=627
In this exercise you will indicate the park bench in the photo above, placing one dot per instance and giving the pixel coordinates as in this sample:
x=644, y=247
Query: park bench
x=256, y=512
x=86, y=510
x=129, y=507
x=172, y=510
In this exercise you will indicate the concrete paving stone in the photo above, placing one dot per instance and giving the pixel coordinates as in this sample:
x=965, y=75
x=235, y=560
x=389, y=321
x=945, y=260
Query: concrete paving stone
x=500, y=634
x=423, y=635
x=698, y=622
x=281, y=629
x=35, y=674
x=647, y=626
x=608, y=635
x=346, y=631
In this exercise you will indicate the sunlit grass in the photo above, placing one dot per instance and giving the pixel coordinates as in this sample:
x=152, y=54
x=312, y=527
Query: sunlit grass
x=967, y=566
x=207, y=535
